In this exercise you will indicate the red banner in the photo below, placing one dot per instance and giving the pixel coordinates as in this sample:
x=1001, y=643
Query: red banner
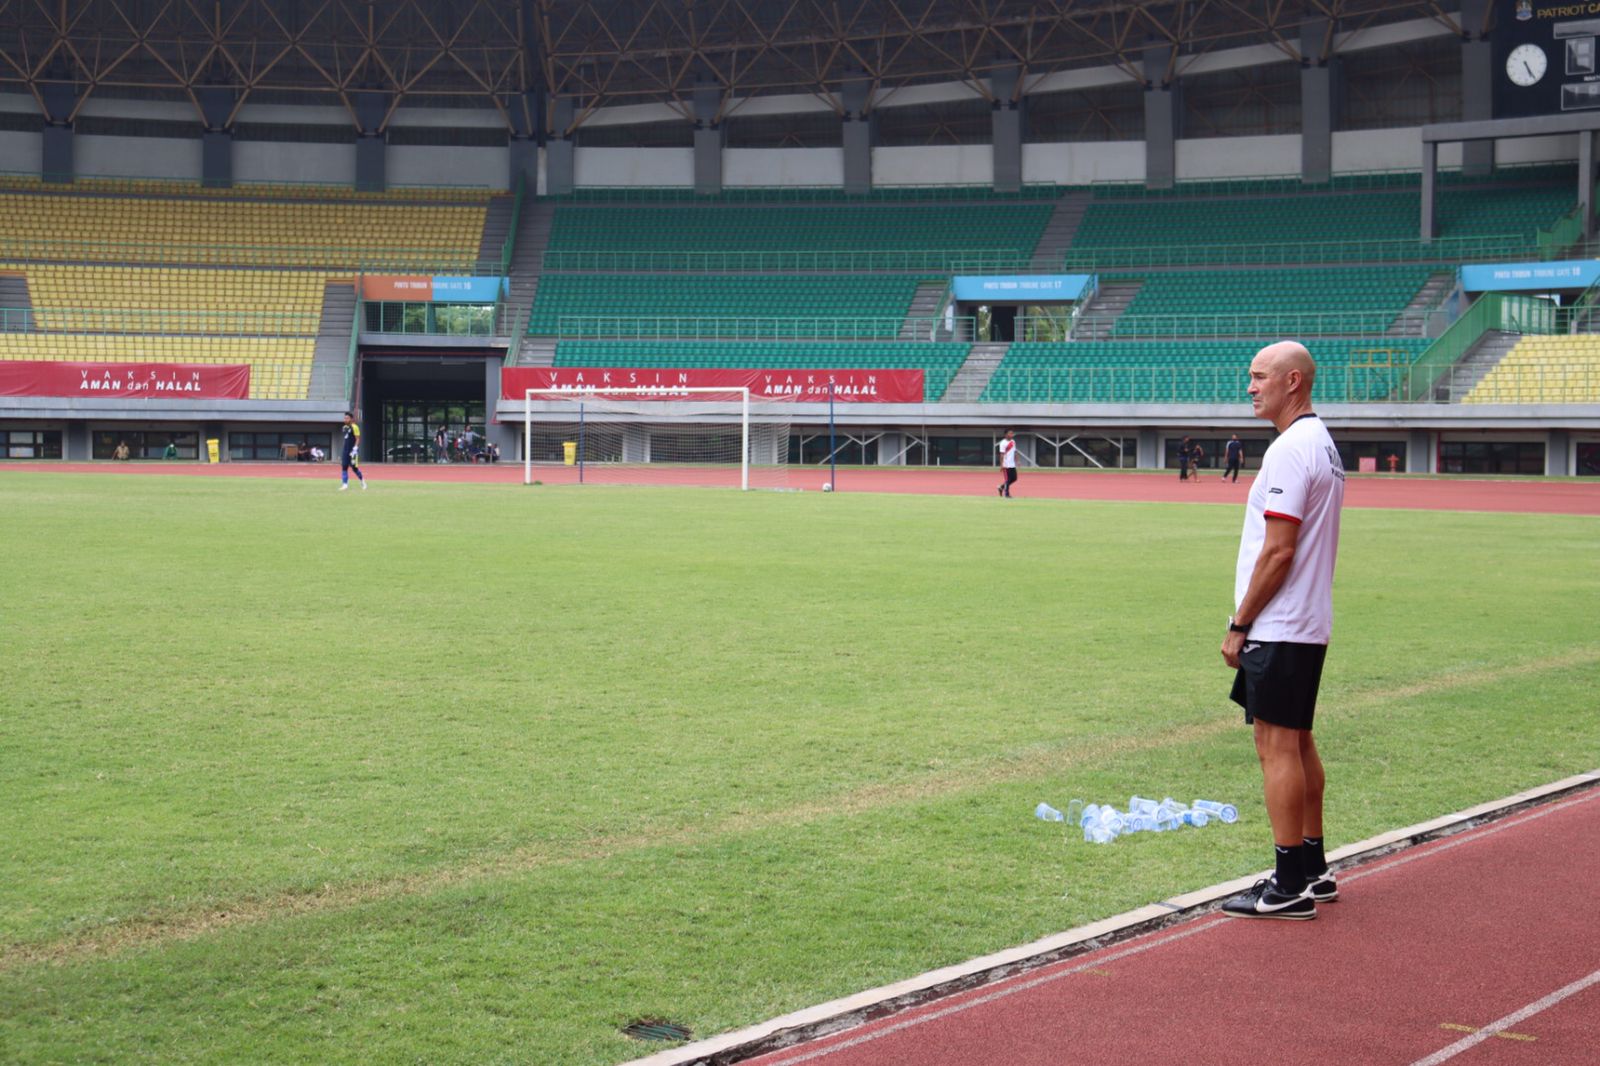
x=854, y=385
x=143, y=381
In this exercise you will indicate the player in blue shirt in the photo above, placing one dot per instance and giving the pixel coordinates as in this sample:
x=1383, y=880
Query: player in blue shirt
x=349, y=453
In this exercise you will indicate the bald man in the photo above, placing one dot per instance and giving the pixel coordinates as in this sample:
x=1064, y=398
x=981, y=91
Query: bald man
x=1283, y=615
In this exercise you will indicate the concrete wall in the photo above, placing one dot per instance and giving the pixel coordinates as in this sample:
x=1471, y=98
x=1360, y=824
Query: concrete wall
x=137, y=157
x=783, y=166
x=21, y=152
x=333, y=164
x=965, y=164
x=1083, y=163
x=446, y=166
x=634, y=166
x=1240, y=157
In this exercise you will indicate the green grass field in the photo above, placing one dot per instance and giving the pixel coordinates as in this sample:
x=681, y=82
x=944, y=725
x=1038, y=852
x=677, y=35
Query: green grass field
x=481, y=774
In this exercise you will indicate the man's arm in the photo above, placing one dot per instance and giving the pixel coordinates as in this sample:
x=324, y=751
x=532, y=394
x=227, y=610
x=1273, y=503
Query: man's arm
x=1272, y=567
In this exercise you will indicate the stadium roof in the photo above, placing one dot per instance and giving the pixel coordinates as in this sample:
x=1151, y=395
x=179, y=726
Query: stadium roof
x=512, y=54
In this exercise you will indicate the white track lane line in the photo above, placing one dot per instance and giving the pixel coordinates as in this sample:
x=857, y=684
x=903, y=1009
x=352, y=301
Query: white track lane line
x=1098, y=960
x=1446, y=1053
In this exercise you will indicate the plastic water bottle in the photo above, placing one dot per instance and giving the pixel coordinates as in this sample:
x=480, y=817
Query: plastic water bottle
x=1140, y=805
x=1195, y=818
x=1046, y=813
x=1100, y=832
x=1227, y=813
x=1075, y=811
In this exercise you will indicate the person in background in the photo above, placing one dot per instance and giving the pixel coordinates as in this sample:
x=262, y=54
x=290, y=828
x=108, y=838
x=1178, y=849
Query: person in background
x=121, y=452
x=1235, y=453
x=1008, y=463
x=1185, y=457
x=1196, y=457
x=440, y=442
x=350, y=454
x=172, y=449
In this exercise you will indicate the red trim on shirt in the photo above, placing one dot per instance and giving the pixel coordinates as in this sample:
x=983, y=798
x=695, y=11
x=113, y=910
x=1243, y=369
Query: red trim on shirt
x=1285, y=517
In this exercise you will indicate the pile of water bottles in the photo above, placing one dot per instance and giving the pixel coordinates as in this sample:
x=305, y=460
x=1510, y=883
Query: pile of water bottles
x=1103, y=823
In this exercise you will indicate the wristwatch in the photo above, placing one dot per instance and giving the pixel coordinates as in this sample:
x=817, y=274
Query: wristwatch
x=1235, y=627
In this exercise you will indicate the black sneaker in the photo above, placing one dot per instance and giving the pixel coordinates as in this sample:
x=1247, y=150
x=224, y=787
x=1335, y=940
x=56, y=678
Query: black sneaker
x=1265, y=901
x=1322, y=887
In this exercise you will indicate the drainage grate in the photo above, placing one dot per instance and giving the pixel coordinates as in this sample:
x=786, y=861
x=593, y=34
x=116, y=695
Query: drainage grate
x=656, y=1029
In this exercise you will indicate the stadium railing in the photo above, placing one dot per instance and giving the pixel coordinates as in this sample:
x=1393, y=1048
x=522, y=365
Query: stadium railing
x=1493, y=311
x=914, y=260
x=283, y=257
x=1559, y=383
x=1377, y=178
x=435, y=319
x=1277, y=324
x=745, y=327
x=297, y=190
x=803, y=194
x=157, y=321
x=1499, y=248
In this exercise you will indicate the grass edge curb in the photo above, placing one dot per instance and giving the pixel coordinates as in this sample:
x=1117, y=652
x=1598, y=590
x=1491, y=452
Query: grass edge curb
x=837, y=1015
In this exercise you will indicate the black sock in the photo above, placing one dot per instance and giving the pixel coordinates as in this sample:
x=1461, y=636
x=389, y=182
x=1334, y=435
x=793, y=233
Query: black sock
x=1315, y=862
x=1291, y=876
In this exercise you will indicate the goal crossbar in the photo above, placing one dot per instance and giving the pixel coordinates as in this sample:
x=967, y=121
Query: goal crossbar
x=664, y=394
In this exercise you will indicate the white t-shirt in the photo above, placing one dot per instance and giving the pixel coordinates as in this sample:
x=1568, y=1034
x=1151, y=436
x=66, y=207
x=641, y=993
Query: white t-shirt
x=1008, y=453
x=1302, y=480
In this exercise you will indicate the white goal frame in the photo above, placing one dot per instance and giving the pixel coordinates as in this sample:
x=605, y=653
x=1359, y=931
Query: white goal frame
x=658, y=394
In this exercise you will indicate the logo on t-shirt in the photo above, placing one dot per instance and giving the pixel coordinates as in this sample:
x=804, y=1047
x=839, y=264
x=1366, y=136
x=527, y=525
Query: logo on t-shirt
x=1279, y=491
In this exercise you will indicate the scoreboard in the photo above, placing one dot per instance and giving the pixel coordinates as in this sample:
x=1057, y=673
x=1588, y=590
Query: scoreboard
x=1546, y=60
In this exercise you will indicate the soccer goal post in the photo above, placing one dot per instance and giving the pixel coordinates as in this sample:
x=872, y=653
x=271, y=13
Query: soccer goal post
x=655, y=436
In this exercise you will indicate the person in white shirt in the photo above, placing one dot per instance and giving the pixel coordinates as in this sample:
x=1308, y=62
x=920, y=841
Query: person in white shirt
x=1008, y=463
x=1283, y=616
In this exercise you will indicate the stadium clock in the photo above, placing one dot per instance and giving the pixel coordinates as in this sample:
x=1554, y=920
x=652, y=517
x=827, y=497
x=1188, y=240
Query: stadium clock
x=1526, y=64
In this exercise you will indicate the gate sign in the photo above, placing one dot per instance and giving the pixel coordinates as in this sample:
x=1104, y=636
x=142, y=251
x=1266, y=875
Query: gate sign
x=851, y=385
x=430, y=288
x=1021, y=288
x=1540, y=277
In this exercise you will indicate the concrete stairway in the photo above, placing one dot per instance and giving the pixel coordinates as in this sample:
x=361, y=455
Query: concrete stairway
x=1059, y=231
x=973, y=377
x=14, y=292
x=496, y=225
x=527, y=263
x=1413, y=320
x=925, y=304
x=537, y=351
x=1105, y=307
x=1473, y=366
x=332, y=352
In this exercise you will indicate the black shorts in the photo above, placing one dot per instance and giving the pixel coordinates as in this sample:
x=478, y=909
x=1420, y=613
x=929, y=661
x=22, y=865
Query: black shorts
x=346, y=461
x=1277, y=682
x=1011, y=475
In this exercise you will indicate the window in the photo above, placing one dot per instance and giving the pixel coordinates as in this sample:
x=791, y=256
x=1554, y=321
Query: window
x=1588, y=458
x=30, y=444
x=147, y=443
x=258, y=447
x=1491, y=457
x=1076, y=450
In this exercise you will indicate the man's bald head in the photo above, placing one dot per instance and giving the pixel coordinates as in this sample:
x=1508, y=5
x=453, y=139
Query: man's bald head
x=1281, y=376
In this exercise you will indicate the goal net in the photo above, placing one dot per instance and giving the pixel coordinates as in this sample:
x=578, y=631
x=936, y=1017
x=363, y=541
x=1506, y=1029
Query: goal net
x=655, y=436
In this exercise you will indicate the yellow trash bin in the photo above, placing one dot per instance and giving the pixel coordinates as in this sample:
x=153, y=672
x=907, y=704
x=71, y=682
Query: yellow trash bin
x=569, y=452
x=214, y=449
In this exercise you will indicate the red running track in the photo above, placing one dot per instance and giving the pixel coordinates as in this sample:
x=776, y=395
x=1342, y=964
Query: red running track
x=1425, y=493
x=1482, y=949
